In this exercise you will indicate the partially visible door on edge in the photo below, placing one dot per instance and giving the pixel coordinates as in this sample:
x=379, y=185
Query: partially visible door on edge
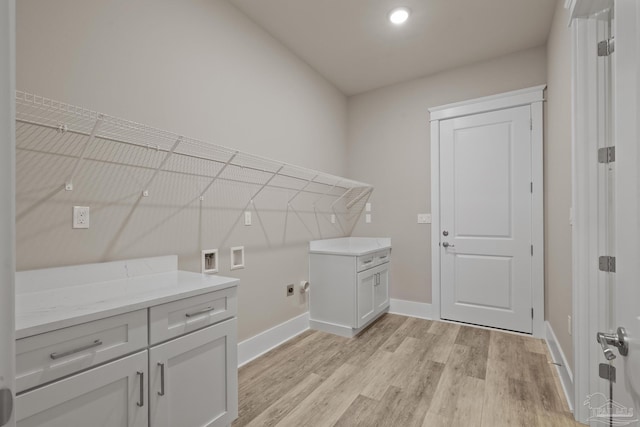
x=485, y=176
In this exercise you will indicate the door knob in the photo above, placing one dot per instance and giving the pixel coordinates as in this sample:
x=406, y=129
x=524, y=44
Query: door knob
x=618, y=339
x=448, y=245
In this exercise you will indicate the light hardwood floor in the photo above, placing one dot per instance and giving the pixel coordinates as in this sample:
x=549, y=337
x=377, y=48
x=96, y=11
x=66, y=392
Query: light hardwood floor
x=404, y=372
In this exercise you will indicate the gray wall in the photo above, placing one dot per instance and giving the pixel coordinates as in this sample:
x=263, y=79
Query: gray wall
x=194, y=67
x=557, y=169
x=388, y=147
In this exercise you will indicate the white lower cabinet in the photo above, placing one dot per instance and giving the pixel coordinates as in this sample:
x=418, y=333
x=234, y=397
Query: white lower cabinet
x=373, y=293
x=112, y=395
x=193, y=380
x=348, y=292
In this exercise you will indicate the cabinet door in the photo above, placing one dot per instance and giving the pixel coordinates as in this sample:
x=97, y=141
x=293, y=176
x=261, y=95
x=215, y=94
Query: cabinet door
x=112, y=395
x=381, y=288
x=365, y=300
x=194, y=378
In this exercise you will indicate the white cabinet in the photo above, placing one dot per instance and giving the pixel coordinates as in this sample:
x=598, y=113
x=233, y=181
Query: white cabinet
x=372, y=293
x=348, y=291
x=185, y=376
x=112, y=395
x=193, y=379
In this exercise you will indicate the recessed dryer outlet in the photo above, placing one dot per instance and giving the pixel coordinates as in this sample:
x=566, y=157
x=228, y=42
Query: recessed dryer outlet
x=210, y=261
x=237, y=257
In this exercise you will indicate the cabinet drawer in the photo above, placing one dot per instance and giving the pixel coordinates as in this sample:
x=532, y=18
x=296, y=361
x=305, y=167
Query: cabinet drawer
x=372, y=260
x=366, y=261
x=383, y=256
x=186, y=315
x=46, y=357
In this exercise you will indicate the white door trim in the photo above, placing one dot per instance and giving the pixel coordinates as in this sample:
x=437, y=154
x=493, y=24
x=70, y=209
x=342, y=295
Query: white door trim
x=7, y=195
x=588, y=316
x=534, y=97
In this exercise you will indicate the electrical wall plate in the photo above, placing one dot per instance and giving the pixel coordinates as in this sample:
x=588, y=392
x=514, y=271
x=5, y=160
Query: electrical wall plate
x=424, y=218
x=81, y=217
x=209, y=261
x=237, y=257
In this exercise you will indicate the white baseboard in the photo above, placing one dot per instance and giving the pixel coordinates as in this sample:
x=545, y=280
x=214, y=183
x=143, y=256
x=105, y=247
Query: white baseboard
x=566, y=376
x=421, y=310
x=260, y=344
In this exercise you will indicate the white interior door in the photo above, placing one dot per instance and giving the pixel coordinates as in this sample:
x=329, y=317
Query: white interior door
x=626, y=292
x=486, y=220
x=7, y=217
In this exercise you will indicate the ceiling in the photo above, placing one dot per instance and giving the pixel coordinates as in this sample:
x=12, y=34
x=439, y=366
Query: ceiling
x=354, y=46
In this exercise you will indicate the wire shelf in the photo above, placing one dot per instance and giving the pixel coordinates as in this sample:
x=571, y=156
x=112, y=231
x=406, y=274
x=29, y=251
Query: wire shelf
x=76, y=134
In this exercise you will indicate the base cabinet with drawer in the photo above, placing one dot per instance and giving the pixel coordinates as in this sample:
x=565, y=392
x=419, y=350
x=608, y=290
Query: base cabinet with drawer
x=183, y=370
x=347, y=291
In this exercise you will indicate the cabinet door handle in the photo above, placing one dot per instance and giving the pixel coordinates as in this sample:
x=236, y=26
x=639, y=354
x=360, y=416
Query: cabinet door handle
x=161, y=392
x=195, y=313
x=141, y=376
x=55, y=356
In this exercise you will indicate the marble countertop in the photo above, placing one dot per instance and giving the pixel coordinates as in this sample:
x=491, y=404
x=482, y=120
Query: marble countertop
x=350, y=246
x=40, y=310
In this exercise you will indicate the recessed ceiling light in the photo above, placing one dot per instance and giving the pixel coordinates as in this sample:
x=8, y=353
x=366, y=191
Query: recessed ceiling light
x=399, y=15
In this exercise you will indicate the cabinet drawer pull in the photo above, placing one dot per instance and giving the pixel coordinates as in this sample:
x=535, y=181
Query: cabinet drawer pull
x=161, y=392
x=384, y=257
x=368, y=262
x=96, y=343
x=204, y=310
x=141, y=402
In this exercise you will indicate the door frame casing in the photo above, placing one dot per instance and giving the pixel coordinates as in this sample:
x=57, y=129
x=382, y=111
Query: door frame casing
x=534, y=97
x=588, y=315
x=7, y=195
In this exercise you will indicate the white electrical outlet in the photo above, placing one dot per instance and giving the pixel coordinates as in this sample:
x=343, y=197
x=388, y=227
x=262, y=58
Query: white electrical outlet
x=247, y=218
x=367, y=218
x=81, y=217
x=333, y=218
x=569, y=325
x=424, y=218
x=367, y=207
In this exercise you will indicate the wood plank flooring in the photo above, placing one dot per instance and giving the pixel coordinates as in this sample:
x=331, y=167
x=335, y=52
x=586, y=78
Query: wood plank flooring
x=404, y=372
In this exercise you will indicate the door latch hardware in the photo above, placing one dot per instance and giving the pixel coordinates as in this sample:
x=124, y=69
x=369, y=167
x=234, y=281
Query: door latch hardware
x=607, y=264
x=618, y=339
x=607, y=372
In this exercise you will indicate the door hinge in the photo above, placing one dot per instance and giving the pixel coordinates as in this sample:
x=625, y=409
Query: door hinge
x=531, y=187
x=530, y=123
x=607, y=372
x=532, y=312
x=607, y=264
x=606, y=47
x=607, y=155
x=531, y=250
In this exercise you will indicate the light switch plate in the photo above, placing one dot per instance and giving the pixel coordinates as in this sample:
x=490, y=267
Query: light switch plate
x=367, y=207
x=367, y=218
x=333, y=218
x=247, y=218
x=424, y=218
